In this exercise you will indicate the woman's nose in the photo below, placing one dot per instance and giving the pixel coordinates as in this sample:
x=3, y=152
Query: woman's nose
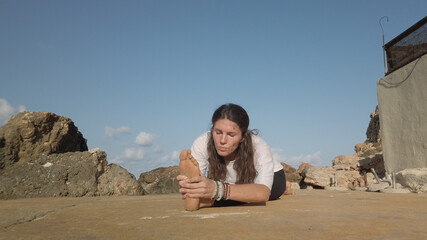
x=223, y=139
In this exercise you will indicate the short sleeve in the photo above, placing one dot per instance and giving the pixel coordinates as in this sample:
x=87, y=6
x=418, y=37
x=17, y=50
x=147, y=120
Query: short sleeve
x=264, y=163
x=199, y=150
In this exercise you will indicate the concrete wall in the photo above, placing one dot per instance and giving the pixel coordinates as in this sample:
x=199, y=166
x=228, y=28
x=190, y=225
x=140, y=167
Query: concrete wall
x=402, y=102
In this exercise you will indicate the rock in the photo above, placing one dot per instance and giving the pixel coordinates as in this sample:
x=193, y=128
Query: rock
x=376, y=162
x=118, y=181
x=72, y=174
x=415, y=179
x=372, y=144
x=346, y=162
x=373, y=132
x=291, y=173
x=31, y=134
x=376, y=187
x=352, y=179
x=160, y=181
x=302, y=167
x=44, y=155
x=318, y=176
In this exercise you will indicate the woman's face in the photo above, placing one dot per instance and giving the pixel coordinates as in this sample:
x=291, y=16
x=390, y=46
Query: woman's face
x=227, y=136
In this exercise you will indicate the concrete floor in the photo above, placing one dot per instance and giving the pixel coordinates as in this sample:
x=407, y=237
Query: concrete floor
x=310, y=214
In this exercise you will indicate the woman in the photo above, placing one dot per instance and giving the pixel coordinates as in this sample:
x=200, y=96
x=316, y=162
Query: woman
x=240, y=163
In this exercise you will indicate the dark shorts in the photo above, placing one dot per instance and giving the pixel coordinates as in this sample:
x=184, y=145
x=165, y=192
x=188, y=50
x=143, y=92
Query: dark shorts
x=278, y=188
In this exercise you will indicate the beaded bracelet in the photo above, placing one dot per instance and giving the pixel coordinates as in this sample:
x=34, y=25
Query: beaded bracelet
x=216, y=190
x=227, y=190
x=222, y=191
x=219, y=194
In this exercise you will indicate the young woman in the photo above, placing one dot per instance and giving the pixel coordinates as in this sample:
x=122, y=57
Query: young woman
x=240, y=163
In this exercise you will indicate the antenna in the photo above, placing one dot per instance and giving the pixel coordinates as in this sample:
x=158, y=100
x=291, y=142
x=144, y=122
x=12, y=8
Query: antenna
x=385, y=68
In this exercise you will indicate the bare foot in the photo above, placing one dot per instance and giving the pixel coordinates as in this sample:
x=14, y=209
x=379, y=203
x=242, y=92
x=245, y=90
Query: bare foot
x=288, y=190
x=189, y=167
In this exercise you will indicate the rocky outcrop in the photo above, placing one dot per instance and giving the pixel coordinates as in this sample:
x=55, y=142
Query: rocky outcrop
x=373, y=133
x=30, y=134
x=56, y=175
x=160, y=181
x=44, y=155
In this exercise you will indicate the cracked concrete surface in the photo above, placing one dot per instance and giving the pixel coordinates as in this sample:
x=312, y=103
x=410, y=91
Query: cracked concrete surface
x=315, y=214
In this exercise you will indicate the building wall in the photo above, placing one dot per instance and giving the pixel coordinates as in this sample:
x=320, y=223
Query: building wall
x=402, y=102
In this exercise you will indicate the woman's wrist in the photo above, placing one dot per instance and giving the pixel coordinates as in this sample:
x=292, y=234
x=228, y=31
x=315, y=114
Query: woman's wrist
x=221, y=192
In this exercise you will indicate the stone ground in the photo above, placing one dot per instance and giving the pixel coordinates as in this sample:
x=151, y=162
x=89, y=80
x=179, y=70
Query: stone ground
x=310, y=214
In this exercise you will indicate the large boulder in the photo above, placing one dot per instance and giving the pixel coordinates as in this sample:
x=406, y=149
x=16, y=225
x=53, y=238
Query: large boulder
x=118, y=181
x=31, y=134
x=318, y=176
x=72, y=174
x=291, y=173
x=44, y=155
x=415, y=179
x=160, y=181
x=322, y=177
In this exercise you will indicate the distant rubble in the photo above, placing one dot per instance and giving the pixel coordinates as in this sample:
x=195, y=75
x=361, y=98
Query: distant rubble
x=44, y=155
x=357, y=171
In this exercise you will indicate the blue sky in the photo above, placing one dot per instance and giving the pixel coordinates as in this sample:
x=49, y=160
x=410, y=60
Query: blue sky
x=141, y=79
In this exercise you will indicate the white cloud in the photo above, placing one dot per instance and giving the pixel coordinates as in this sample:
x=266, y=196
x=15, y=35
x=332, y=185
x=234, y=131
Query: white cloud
x=145, y=139
x=173, y=157
x=112, y=132
x=128, y=155
x=6, y=110
x=169, y=160
x=295, y=161
x=134, y=153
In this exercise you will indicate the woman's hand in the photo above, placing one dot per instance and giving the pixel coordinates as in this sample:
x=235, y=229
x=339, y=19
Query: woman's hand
x=196, y=187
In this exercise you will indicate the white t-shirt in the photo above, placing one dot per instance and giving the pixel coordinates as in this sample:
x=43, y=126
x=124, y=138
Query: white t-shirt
x=265, y=165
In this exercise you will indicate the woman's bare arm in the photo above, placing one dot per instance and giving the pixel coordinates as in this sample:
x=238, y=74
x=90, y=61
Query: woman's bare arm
x=204, y=188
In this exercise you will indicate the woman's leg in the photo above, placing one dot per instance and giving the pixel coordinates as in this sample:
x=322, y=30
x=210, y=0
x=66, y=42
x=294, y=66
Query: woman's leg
x=279, y=185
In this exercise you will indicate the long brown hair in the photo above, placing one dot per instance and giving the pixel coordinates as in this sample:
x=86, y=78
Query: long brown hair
x=244, y=162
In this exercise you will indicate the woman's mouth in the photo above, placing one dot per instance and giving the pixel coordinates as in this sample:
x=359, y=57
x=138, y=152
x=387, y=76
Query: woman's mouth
x=222, y=149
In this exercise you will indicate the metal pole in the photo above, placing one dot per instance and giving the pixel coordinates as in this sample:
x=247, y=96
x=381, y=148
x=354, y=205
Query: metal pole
x=375, y=174
x=385, y=67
